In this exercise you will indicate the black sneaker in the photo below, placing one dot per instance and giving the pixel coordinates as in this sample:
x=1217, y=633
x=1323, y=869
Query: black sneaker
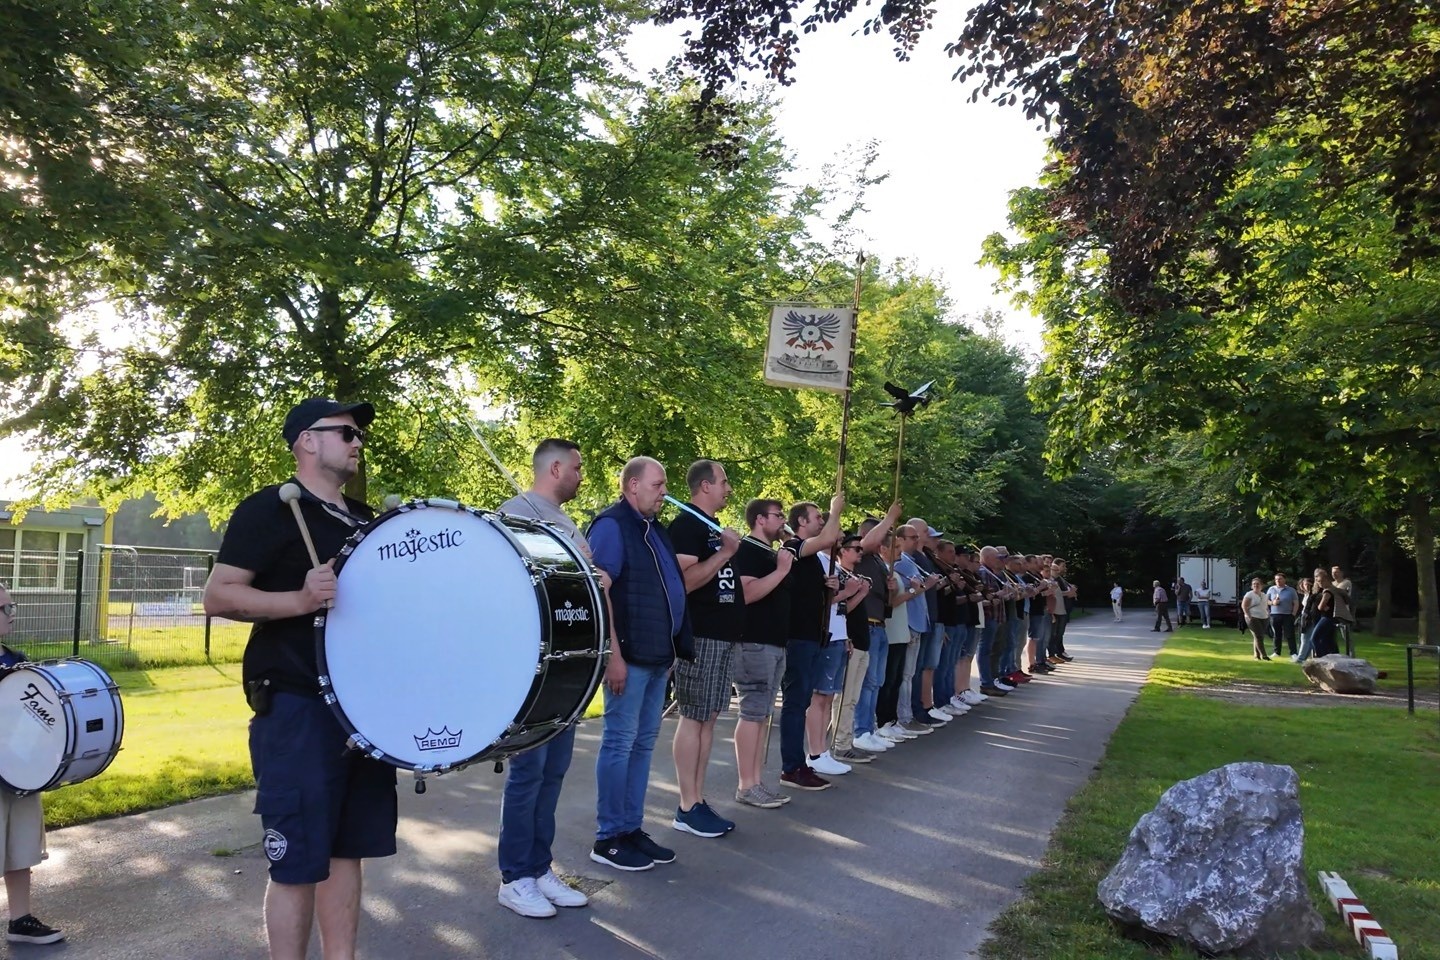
x=620, y=853
x=27, y=929
x=640, y=841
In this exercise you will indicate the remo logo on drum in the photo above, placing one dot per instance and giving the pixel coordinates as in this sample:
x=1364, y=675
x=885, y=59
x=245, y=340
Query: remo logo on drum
x=31, y=697
x=438, y=741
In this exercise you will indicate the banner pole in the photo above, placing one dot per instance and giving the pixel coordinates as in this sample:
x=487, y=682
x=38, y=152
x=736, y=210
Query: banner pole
x=849, y=376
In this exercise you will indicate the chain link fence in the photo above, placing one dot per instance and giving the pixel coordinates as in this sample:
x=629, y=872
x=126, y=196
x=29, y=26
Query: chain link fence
x=128, y=607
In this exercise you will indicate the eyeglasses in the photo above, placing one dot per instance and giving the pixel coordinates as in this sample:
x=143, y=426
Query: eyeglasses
x=777, y=516
x=9, y=609
x=348, y=434
x=854, y=546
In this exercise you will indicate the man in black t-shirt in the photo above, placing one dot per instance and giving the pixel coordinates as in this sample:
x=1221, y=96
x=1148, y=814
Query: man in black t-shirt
x=717, y=616
x=764, y=579
x=809, y=628
x=323, y=807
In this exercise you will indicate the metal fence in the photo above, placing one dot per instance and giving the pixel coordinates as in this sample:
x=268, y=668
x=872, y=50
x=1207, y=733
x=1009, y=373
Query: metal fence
x=127, y=607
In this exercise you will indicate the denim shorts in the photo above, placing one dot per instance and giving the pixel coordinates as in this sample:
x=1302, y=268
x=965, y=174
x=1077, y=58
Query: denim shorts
x=830, y=668
x=316, y=798
x=758, y=669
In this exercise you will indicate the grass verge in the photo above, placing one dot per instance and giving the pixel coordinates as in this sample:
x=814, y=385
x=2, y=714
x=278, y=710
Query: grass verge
x=185, y=737
x=1369, y=778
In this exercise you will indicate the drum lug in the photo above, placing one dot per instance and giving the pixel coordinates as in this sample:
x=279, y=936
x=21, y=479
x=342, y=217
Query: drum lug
x=419, y=782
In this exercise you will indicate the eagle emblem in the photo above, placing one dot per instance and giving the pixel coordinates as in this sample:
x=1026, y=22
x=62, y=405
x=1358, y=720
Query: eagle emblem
x=815, y=334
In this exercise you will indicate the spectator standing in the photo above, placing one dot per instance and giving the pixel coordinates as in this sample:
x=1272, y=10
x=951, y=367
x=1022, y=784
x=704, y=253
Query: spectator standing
x=1162, y=608
x=1183, y=593
x=1323, y=636
x=1344, y=606
x=1202, y=603
x=1116, y=595
x=1255, y=608
x=1284, y=602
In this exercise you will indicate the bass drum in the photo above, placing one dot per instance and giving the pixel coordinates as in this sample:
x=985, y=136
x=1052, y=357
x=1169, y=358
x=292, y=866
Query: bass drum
x=459, y=635
x=61, y=721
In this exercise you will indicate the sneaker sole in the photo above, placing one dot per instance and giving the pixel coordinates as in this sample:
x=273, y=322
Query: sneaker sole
x=522, y=911
x=21, y=938
x=801, y=786
x=760, y=804
x=686, y=828
x=620, y=866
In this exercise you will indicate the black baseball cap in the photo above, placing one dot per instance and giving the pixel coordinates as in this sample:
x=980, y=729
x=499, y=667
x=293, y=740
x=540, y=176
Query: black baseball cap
x=304, y=415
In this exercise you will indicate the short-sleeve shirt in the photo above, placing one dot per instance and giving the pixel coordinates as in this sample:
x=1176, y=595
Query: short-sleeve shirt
x=808, y=619
x=1183, y=592
x=1285, y=599
x=262, y=537
x=717, y=607
x=917, y=611
x=876, y=605
x=535, y=507
x=768, y=619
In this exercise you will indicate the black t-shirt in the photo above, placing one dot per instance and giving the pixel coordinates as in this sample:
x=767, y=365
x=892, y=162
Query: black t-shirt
x=263, y=538
x=717, y=608
x=809, y=605
x=767, y=618
x=970, y=612
x=946, y=606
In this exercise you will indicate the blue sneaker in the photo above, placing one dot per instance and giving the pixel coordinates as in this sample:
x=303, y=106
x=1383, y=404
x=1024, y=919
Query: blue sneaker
x=698, y=820
x=727, y=824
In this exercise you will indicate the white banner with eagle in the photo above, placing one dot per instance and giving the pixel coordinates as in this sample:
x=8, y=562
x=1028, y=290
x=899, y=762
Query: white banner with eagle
x=809, y=346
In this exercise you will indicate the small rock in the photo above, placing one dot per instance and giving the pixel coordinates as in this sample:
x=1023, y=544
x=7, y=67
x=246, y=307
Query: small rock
x=1337, y=673
x=1219, y=864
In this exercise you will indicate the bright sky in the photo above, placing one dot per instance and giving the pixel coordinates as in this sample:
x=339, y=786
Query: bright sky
x=952, y=163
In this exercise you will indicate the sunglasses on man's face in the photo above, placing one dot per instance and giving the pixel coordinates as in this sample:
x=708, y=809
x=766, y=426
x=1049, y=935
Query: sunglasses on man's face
x=348, y=434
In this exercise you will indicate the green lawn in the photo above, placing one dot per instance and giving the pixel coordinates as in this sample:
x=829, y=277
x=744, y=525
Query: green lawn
x=185, y=737
x=1369, y=777
x=149, y=643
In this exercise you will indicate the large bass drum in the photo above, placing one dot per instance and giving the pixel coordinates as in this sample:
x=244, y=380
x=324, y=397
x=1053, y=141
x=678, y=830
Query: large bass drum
x=459, y=635
x=61, y=721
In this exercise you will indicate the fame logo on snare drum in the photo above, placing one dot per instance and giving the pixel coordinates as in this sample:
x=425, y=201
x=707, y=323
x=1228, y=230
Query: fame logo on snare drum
x=415, y=543
x=438, y=741
x=571, y=613
x=31, y=697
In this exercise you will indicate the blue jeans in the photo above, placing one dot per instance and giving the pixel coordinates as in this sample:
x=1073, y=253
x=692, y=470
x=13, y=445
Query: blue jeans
x=1204, y=606
x=1040, y=633
x=1014, y=638
x=956, y=637
x=987, y=644
x=874, y=679
x=802, y=666
x=927, y=658
x=622, y=767
x=527, y=809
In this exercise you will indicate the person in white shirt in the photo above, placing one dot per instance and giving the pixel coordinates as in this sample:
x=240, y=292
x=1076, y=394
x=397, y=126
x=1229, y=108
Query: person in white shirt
x=1201, y=596
x=1115, y=596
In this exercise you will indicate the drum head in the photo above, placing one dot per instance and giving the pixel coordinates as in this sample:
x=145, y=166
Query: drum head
x=434, y=640
x=33, y=730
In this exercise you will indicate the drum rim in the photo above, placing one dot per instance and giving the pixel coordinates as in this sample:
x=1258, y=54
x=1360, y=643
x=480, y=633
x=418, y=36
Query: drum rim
x=497, y=519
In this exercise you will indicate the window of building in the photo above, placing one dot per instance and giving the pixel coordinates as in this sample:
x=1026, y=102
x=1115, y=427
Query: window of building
x=7, y=554
x=39, y=559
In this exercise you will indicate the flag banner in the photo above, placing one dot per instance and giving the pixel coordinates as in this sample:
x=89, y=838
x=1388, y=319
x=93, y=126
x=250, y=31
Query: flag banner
x=809, y=346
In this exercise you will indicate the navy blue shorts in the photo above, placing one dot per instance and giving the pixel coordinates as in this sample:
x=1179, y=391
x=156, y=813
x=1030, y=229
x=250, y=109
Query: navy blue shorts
x=316, y=799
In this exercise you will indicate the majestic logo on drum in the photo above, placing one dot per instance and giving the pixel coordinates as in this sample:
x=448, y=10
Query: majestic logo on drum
x=571, y=613
x=438, y=741
x=415, y=543
x=31, y=697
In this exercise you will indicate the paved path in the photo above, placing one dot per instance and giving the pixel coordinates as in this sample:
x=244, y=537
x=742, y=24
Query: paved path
x=911, y=856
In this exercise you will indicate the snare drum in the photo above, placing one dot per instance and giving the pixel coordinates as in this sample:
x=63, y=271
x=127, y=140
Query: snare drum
x=459, y=635
x=61, y=721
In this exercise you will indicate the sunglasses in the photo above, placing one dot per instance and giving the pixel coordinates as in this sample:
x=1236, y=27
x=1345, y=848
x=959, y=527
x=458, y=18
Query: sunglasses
x=854, y=546
x=9, y=609
x=348, y=434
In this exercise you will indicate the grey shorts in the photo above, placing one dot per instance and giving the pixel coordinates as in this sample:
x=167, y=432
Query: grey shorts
x=22, y=831
x=702, y=686
x=758, y=669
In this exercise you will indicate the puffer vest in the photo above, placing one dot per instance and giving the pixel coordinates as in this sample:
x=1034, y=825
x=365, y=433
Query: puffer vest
x=642, y=609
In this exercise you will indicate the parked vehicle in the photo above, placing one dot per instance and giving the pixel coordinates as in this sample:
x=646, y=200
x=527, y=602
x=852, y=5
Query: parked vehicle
x=1224, y=586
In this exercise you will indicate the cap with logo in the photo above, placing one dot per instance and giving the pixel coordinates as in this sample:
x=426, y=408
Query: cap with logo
x=306, y=413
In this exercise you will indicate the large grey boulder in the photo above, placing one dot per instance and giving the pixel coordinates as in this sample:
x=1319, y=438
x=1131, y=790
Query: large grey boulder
x=1218, y=864
x=1341, y=674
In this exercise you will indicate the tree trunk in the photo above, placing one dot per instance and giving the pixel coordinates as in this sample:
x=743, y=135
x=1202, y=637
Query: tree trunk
x=1384, y=581
x=1424, y=527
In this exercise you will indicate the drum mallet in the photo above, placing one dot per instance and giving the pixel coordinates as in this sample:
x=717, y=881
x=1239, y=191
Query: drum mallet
x=290, y=493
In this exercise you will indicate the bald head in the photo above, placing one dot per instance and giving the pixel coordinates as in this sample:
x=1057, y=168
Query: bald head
x=642, y=484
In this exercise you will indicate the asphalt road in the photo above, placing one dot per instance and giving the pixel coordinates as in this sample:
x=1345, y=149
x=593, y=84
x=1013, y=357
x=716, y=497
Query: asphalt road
x=911, y=856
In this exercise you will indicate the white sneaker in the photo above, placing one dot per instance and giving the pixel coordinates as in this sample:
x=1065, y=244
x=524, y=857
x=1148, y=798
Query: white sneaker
x=935, y=713
x=828, y=765
x=524, y=897
x=874, y=743
x=956, y=709
x=1002, y=685
x=896, y=732
x=973, y=697
x=559, y=892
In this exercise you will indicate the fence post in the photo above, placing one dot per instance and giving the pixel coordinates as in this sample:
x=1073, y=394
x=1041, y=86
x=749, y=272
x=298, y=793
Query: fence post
x=209, y=569
x=79, y=601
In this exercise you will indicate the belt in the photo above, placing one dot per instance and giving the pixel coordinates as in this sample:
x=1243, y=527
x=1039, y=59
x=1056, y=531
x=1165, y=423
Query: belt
x=876, y=623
